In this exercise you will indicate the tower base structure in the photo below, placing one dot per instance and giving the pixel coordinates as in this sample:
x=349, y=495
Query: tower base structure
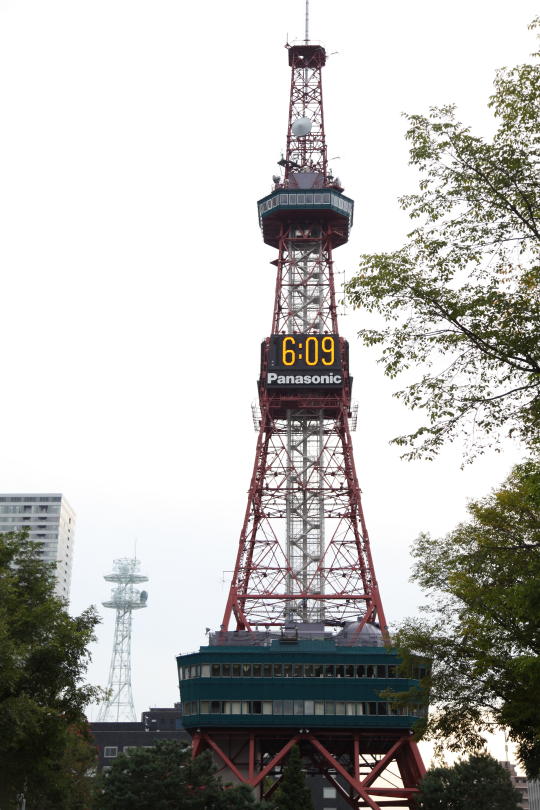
x=249, y=703
x=356, y=763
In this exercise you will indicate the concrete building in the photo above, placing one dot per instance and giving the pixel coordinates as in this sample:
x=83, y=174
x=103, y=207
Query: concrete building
x=50, y=521
x=519, y=782
x=113, y=739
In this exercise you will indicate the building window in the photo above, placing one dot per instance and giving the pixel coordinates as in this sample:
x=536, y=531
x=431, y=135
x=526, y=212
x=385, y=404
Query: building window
x=288, y=670
x=329, y=793
x=301, y=707
x=110, y=751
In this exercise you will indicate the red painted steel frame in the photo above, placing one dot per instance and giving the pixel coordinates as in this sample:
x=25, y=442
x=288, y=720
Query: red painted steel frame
x=264, y=583
x=260, y=586
x=307, y=152
x=258, y=591
x=357, y=763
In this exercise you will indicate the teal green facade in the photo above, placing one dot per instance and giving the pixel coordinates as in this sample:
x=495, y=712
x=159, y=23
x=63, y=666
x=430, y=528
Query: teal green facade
x=313, y=683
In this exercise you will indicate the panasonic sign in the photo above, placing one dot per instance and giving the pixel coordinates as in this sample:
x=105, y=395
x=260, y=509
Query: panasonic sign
x=275, y=380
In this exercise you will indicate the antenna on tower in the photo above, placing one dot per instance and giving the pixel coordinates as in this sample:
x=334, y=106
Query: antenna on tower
x=124, y=599
x=307, y=23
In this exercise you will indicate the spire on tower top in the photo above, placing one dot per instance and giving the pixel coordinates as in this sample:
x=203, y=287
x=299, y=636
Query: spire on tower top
x=306, y=40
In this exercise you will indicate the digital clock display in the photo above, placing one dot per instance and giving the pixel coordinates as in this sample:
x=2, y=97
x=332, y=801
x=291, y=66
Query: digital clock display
x=306, y=361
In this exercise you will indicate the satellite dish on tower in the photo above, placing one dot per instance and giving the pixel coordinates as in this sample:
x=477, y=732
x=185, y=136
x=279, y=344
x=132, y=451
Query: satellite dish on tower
x=301, y=127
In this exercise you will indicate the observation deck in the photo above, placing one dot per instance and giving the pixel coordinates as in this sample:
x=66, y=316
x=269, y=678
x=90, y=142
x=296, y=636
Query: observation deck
x=327, y=206
x=291, y=684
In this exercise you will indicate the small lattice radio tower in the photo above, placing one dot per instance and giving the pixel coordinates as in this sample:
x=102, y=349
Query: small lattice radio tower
x=125, y=598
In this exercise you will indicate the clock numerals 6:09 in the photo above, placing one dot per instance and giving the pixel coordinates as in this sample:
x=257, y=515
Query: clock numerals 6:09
x=316, y=349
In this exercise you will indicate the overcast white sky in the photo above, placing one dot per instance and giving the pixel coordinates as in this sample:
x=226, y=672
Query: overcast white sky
x=136, y=139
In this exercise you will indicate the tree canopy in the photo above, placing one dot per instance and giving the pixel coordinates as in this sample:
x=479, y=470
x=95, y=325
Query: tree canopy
x=165, y=777
x=293, y=793
x=43, y=658
x=482, y=623
x=461, y=299
x=479, y=782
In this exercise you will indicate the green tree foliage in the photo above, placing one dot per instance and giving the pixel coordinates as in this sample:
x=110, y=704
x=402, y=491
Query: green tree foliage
x=43, y=658
x=479, y=783
x=70, y=784
x=482, y=625
x=166, y=778
x=461, y=298
x=292, y=793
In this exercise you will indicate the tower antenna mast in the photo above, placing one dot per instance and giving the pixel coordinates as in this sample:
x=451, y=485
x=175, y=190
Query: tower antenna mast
x=125, y=598
x=307, y=23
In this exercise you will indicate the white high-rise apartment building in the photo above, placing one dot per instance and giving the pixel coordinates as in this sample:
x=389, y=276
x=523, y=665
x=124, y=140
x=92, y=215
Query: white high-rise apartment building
x=50, y=521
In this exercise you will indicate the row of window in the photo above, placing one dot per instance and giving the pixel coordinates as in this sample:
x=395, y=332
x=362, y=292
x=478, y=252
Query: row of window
x=111, y=751
x=29, y=519
x=26, y=508
x=29, y=498
x=295, y=671
x=43, y=537
x=313, y=198
x=301, y=707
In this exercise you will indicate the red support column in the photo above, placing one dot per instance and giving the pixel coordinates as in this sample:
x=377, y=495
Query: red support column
x=356, y=757
x=251, y=758
x=275, y=760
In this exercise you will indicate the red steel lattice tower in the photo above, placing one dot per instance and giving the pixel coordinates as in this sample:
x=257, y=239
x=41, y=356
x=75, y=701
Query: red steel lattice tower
x=300, y=657
x=304, y=552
